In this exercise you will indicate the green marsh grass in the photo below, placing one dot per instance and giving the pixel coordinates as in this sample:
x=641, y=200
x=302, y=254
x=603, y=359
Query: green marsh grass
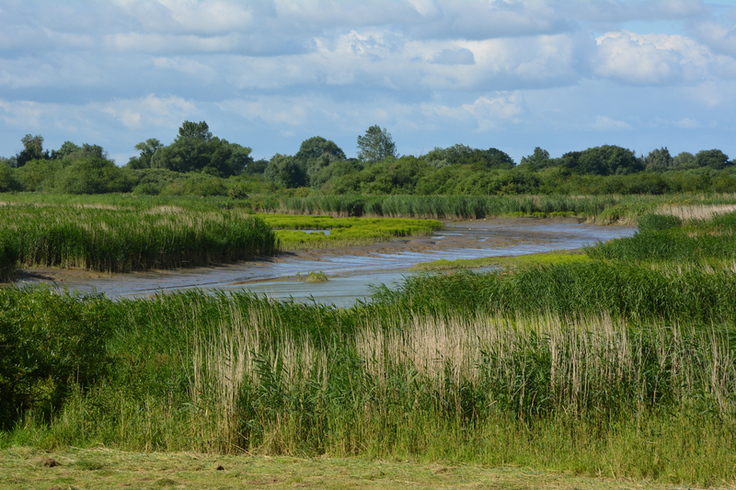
x=667, y=238
x=342, y=231
x=121, y=239
x=639, y=396
x=554, y=257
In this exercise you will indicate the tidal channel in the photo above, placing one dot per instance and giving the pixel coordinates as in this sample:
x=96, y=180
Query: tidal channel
x=351, y=271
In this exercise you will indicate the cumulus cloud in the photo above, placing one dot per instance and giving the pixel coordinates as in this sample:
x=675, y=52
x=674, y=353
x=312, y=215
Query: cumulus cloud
x=496, y=112
x=654, y=59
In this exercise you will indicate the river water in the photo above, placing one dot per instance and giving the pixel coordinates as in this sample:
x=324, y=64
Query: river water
x=352, y=272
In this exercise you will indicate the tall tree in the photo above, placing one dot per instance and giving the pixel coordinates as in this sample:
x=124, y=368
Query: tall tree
x=32, y=150
x=376, y=145
x=658, y=160
x=147, y=149
x=537, y=160
x=195, y=149
x=714, y=159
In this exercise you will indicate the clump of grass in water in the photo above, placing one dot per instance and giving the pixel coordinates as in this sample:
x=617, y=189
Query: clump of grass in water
x=312, y=277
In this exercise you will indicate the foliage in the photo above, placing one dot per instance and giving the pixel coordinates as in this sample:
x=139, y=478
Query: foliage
x=49, y=343
x=376, y=145
x=92, y=175
x=285, y=171
x=196, y=149
x=32, y=150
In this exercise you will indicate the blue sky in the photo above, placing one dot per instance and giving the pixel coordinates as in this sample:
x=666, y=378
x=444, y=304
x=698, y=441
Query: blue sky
x=560, y=74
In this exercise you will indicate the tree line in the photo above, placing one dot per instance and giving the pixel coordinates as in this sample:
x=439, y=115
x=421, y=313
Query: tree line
x=199, y=163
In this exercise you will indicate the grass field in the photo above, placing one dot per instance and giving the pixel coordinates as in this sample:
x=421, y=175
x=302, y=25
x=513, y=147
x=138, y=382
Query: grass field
x=23, y=468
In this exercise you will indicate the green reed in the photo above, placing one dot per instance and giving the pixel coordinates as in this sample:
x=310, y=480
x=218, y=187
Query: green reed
x=234, y=372
x=119, y=239
x=669, y=239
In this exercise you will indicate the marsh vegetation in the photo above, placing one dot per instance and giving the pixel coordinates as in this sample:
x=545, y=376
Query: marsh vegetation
x=619, y=363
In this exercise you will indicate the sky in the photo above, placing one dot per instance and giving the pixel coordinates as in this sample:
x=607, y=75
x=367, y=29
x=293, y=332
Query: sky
x=563, y=75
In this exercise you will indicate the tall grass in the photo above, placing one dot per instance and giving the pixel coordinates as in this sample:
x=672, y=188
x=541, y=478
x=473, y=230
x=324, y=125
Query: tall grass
x=121, y=239
x=233, y=373
x=603, y=209
x=666, y=237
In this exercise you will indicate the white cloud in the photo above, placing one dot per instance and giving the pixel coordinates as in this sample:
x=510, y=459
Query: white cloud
x=655, y=59
x=149, y=111
x=495, y=112
x=687, y=123
x=623, y=58
x=187, y=66
x=21, y=114
x=172, y=16
x=605, y=123
x=721, y=38
x=292, y=111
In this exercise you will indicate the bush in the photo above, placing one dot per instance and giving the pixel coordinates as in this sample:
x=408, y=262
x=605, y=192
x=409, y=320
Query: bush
x=49, y=343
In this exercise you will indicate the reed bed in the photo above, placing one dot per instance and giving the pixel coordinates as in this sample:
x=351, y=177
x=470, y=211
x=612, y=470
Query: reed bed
x=237, y=373
x=603, y=209
x=697, y=211
x=111, y=239
x=668, y=238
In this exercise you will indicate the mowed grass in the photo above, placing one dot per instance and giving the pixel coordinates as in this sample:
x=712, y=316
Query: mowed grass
x=22, y=468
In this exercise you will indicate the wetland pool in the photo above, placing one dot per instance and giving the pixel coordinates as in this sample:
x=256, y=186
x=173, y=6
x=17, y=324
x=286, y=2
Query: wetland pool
x=352, y=271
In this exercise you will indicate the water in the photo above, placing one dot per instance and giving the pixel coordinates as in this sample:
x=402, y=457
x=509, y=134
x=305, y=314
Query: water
x=351, y=276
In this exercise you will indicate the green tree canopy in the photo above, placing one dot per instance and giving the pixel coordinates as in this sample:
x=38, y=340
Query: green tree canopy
x=491, y=158
x=538, y=160
x=715, y=159
x=658, y=160
x=147, y=149
x=284, y=170
x=601, y=160
x=376, y=145
x=316, y=147
x=195, y=149
x=32, y=150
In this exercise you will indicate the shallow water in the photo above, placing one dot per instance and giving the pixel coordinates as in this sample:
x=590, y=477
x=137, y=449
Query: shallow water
x=351, y=276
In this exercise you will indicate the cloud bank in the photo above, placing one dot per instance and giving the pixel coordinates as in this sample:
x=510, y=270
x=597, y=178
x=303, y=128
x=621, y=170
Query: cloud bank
x=268, y=74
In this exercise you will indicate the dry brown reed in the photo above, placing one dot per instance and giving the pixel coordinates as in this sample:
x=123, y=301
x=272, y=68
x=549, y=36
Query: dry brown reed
x=696, y=212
